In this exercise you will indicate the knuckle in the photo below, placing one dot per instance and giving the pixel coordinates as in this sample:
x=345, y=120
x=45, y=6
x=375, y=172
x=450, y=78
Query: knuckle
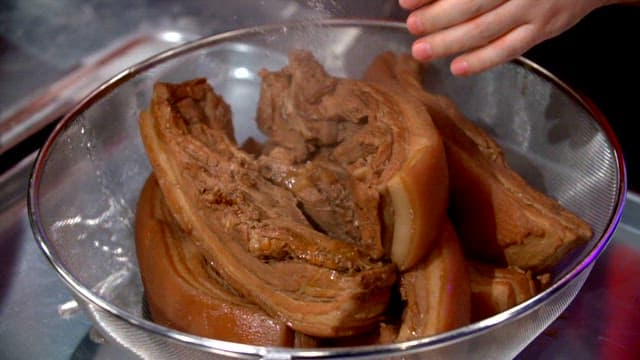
x=476, y=6
x=481, y=31
x=505, y=49
x=423, y=21
x=414, y=24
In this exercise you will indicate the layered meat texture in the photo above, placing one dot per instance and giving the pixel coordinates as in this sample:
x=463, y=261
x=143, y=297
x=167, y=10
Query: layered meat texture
x=499, y=216
x=382, y=143
x=183, y=291
x=496, y=289
x=250, y=229
x=437, y=291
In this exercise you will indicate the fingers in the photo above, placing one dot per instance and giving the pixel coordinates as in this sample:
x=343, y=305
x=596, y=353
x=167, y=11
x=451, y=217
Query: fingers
x=414, y=4
x=439, y=15
x=499, y=51
x=467, y=35
x=487, y=32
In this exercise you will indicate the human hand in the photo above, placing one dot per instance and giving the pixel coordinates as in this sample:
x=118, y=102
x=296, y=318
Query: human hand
x=485, y=33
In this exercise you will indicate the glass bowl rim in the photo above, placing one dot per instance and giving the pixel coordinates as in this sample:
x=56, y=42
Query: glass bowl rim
x=219, y=346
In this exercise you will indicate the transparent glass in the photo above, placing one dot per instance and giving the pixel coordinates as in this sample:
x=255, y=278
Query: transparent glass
x=88, y=175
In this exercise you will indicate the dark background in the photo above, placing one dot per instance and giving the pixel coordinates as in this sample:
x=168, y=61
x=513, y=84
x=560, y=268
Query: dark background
x=598, y=57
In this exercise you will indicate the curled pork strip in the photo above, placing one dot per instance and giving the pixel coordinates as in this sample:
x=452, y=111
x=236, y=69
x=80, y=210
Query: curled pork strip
x=250, y=229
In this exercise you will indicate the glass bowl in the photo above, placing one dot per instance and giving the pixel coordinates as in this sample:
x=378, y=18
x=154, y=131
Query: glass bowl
x=88, y=175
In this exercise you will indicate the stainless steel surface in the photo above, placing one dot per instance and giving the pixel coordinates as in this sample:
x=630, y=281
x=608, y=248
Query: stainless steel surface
x=35, y=112
x=34, y=326
x=86, y=181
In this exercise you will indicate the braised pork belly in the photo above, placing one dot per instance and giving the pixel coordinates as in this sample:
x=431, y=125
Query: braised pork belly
x=374, y=212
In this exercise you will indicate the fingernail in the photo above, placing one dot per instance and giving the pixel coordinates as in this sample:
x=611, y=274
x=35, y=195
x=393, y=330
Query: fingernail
x=459, y=68
x=422, y=50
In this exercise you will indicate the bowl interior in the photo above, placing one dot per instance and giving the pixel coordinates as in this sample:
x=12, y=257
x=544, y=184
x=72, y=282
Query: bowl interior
x=88, y=176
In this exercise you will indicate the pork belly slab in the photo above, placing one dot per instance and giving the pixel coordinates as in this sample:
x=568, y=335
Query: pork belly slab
x=250, y=229
x=384, y=141
x=499, y=216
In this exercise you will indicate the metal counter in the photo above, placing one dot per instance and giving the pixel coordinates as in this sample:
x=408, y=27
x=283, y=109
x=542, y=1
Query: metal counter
x=38, y=319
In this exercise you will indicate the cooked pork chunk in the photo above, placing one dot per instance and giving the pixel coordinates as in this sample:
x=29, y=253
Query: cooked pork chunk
x=499, y=216
x=437, y=291
x=250, y=229
x=184, y=292
x=384, y=140
x=330, y=199
x=496, y=289
x=341, y=229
